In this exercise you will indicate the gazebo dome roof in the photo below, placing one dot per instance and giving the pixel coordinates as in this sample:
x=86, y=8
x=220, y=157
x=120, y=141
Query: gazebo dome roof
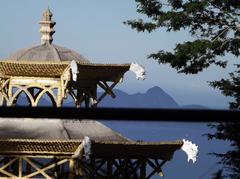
x=47, y=53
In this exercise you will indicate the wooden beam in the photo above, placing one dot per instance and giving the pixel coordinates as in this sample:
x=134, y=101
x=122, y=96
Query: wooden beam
x=105, y=93
x=78, y=154
x=159, y=166
x=7, y=173
x=38, y=170
x=5, y=166
x=8, y=164
x=106, y=88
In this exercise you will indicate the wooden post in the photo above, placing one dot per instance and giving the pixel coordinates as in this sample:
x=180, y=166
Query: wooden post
x=93, y=97
x=79, y=97
x=71, y=168
x=59, y=96
x=20, y=168
x=1, y=99
x=92, y=167
x=9, y=103
x=80, y=171
x=86, y=99
x=10, y=89
x=142, y=168
x=109, y=168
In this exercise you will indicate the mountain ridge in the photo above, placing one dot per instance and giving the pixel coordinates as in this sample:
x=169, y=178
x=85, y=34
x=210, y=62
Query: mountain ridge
x=154, y=97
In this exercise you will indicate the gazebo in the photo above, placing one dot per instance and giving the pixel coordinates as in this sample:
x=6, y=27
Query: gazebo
x=49, y=69
x=44, y=148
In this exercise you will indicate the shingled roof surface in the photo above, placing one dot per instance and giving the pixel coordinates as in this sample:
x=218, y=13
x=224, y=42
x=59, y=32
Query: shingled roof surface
x=46, y=53
x=56, y=129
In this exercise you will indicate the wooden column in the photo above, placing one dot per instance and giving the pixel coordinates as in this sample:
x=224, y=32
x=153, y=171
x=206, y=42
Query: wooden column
x=71, y=169
x=93, y=168
x=59, y=96
x=20, y=167
x=109, y=167
x=87, y=100
x=9, y=103
x=93, y=97
x=78, y=97
x=80, y=170
x=1, y=100
x=142, y=168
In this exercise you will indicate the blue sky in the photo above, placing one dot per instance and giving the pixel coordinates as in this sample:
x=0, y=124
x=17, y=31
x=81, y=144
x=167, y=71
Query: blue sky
x=94, y=28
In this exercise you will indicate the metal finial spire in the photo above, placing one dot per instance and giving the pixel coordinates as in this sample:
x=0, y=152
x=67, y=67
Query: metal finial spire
x=47, y=27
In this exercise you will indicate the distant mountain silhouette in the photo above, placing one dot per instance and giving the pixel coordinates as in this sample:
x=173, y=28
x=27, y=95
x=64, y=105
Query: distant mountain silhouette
x=155, y=97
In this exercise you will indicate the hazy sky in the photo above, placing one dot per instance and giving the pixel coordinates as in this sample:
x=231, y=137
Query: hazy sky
x=94, y=28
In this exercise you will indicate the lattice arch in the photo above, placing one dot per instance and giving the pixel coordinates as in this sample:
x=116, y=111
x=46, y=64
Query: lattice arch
x=16, y=96
x=56, y=89
x=11, y=90
x=50, y=94
x=32, y=96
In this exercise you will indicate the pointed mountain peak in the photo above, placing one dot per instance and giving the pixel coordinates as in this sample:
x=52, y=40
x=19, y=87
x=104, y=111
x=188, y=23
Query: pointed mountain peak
x=154, y=90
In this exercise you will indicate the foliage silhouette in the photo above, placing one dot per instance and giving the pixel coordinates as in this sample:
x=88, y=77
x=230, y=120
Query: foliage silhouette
x=215, y=26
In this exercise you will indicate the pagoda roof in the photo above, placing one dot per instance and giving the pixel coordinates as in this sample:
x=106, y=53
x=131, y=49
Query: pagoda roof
x=56, y=69
x=47, y=53
x=56, y=129
x=99, y=149
x=62, y=137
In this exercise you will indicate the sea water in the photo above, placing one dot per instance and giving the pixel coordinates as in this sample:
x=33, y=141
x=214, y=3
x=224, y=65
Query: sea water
x=178, y=167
